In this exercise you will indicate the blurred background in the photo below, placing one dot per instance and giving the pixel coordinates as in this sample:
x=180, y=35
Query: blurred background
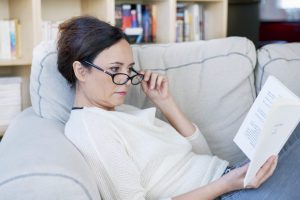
x=265, y=21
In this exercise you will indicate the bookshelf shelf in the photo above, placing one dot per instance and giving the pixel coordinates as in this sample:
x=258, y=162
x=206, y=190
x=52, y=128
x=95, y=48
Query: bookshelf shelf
x=200, y=1
x=31, y=15
x=15, y=62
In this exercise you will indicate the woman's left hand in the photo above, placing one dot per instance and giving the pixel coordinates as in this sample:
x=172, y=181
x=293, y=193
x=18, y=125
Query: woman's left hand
x=155, y=86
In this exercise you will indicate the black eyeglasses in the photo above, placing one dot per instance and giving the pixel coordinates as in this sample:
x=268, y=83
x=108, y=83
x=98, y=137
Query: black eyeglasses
x=120, y=78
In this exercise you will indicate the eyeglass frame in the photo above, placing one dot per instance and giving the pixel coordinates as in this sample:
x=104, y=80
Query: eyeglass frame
x=113, y=75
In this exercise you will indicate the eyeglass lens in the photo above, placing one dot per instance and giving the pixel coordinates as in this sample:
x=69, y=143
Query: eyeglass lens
x=123, y=78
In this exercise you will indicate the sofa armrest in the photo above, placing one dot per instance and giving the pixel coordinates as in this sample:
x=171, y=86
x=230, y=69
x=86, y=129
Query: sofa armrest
x=38, y=162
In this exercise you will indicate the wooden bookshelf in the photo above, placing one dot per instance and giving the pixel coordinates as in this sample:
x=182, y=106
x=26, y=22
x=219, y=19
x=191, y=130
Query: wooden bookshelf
x=31, y=13
x=15, y=62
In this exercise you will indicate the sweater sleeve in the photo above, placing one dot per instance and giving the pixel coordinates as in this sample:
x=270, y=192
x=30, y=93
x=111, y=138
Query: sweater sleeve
x=198, y=142
x=119, y=170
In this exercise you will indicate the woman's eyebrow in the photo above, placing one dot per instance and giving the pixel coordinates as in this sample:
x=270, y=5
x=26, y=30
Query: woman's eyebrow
x=120, y=63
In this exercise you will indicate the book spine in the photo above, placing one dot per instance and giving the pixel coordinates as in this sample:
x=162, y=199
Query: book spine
x=118, y=16
x=134, y=22
x=186, y=24
x=146, y=21
x=18, y=39
x=154, y=22
x=139, y=14
x=180, y=22
x=137, y=21
x=13, y=38
x=126, y=16
x=50, y=30
x=5, y=48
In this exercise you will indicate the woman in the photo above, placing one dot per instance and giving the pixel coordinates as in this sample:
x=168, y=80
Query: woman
x=132, y=154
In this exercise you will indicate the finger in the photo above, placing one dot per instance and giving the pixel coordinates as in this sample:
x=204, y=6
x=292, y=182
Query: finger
x=144, y=85
x=141, y=71
x=165, y=86
x=264, y=169
x=272, y=169
x=147, y=75
x=264, y=172
x=153, y=80
x=159, y=81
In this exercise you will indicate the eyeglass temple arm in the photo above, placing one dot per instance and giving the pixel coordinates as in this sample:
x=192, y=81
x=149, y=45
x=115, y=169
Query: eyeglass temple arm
x=91, y=64
x=135, y=71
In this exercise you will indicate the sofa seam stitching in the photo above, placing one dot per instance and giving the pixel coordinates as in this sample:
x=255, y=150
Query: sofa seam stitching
x=270, y=61
x=47, y=174
x=39, y=80
x=202, y=61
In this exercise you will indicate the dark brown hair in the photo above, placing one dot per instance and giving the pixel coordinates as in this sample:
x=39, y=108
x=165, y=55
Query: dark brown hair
x=83, y=38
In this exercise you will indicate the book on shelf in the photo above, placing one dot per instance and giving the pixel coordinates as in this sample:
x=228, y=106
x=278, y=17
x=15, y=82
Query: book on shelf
x=10, y=99
x=9, y=39
x=189, y=22
x=273, y=117
x=180, y=7
x=50, y=30
x=137, y=21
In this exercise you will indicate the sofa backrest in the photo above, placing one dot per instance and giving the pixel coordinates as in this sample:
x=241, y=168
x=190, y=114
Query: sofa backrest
x=281, y=61
x=212, y=81
x=50, y=94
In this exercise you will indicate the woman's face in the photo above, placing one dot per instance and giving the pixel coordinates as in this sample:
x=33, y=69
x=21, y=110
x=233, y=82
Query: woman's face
x=98, y=86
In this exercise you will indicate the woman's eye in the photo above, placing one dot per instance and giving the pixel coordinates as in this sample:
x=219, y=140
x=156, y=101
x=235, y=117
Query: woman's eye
x=130, y=70
x=114, y=69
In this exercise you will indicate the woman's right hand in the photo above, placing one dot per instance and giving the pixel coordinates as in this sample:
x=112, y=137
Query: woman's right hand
x=264, y=173
x=236, y=177
x=231, y=181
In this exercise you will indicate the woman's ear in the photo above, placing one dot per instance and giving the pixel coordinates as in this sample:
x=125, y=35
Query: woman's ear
x=80, y=71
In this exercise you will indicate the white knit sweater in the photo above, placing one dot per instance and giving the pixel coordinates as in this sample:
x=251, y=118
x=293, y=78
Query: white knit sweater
x=136, y=156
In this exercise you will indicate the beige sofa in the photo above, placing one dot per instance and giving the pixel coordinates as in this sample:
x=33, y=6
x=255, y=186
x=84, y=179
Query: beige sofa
x=215, y=82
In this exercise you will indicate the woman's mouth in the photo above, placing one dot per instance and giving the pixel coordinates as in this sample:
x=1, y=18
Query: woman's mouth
x=121, y=93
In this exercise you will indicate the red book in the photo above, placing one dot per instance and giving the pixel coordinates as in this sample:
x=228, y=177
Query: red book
x=126, y=16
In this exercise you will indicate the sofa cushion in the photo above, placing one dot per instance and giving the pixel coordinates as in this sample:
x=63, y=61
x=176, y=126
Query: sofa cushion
x=51, y=96
x=38, y=162
x=281, y=61
x=212, y=81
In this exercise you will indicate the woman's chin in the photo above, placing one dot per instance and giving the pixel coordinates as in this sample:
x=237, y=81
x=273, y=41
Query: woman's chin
x=119, y=102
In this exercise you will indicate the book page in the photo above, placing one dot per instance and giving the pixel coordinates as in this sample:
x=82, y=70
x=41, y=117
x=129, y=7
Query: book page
x=251, y=128
x=283, y=119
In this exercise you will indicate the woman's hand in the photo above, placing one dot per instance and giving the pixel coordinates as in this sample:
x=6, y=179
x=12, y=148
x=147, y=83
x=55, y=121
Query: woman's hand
x=264, y=173
x=231, y=181
x=155, y=86
x=236, y=177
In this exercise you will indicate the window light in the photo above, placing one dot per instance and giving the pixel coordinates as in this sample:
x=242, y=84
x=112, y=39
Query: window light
x=287, y=4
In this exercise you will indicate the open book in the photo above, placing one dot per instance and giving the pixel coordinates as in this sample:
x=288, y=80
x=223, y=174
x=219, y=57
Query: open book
x=272, y=118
